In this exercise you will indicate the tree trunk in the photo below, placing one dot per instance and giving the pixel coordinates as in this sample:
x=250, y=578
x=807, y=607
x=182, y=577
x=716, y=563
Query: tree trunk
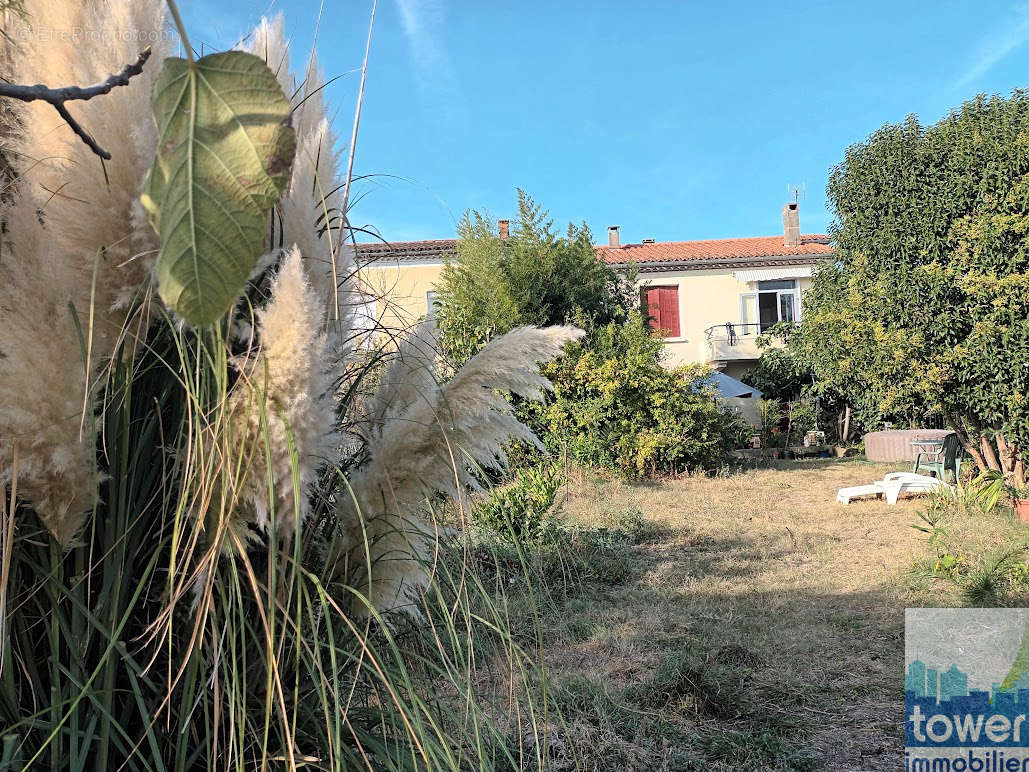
x=1018, y=473
x=990, y=454
x=1011, y=461
x=966, y=441
x=846, y=425
x=1006, y=453
x=985, y=446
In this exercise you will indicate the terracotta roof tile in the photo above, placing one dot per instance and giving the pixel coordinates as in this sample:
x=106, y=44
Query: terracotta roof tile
x=714, y=249
x=409, y=250
x=654, y=252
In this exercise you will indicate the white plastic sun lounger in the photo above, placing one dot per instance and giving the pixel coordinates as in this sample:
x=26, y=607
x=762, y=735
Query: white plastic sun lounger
x=891, y=486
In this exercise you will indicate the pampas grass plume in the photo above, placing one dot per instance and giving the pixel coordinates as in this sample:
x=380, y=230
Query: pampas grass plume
x=284, y=402
x=426, y=437
x=69, y=217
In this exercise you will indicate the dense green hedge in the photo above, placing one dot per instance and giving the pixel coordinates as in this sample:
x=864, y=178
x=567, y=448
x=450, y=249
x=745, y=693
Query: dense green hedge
x=926, y=308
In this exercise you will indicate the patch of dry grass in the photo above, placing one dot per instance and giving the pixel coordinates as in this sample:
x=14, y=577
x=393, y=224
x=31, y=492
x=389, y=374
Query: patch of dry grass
x=972, y=557
x=762, y=626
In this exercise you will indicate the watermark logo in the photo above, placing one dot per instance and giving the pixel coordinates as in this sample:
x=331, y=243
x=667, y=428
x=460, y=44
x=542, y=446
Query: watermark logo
x=79, y=35
x=966, y=687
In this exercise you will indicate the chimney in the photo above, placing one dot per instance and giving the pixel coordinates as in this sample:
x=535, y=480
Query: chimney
x=612, y=236
x=505, y=227
x=791, y=225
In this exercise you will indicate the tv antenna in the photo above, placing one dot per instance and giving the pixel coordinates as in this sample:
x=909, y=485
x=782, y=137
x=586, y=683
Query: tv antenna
x=796, y=192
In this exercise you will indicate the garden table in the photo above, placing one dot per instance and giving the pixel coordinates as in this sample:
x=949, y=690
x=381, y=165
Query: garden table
x=928, y=445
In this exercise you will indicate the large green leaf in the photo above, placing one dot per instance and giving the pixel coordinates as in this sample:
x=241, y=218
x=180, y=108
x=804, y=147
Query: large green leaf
x=224, y=153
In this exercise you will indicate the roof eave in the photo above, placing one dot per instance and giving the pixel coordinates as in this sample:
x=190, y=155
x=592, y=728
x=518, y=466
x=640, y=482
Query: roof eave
x=701, y=264
x=387, y=258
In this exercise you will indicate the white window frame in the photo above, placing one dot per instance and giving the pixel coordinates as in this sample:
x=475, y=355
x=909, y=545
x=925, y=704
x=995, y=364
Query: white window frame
x=743, y=311
x=798, y=308
x=365, y=317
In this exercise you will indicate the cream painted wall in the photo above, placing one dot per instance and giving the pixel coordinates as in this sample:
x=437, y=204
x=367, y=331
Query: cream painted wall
x=400, y=289
x=706, y=298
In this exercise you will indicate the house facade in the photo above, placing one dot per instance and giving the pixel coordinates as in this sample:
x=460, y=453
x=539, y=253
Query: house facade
x=710, y=298
x=399, y=278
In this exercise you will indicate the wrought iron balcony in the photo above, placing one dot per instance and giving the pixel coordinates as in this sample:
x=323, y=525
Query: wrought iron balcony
x=731, y=342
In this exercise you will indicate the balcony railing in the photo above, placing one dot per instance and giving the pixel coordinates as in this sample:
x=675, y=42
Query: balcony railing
x=733, y=342
x=732, y=332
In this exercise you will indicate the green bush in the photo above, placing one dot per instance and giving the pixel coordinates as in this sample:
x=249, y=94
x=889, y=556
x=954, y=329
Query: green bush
x=616, y=406
x=786, y=423
x=521, y=508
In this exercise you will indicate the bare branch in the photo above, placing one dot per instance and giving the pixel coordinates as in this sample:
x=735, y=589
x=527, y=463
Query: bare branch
x=58, y=96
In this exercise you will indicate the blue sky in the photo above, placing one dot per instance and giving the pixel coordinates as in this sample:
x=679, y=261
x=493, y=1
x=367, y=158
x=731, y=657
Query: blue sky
x=674, y=120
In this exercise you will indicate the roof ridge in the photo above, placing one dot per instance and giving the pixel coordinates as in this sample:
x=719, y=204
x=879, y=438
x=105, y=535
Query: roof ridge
x=697, y=251
x=810, y=236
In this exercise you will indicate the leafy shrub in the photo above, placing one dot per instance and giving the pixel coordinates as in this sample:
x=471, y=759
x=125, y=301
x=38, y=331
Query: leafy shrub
x=779, y=374
x=535, y=276
x=772, y=435
x=802, y=417
x=616, y=406
x=783, y=376
x=924, y=309
x=786, y=423
x=520, y=509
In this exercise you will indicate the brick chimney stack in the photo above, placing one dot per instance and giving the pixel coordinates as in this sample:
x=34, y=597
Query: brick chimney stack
x=612, y=236
x=505, y=228
x=791, y=225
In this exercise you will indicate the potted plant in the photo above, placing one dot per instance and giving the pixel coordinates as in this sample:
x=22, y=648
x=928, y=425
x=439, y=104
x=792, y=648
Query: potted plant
x=1020, y=502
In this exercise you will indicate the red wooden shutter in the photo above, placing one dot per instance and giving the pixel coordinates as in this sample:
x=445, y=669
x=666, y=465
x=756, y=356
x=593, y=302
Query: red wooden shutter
x=661, y=304
x=652, y=306
x=669, y=301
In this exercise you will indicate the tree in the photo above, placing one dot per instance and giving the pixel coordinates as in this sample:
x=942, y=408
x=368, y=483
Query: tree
x=926, y=309
x=534, y=276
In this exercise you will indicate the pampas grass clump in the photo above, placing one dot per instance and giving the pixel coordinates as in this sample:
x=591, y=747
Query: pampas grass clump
x=192, y=575
x=77, y=249
x=282, y=407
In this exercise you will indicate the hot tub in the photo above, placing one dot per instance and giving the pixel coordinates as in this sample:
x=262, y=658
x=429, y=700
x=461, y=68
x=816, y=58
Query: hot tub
x=895, y=444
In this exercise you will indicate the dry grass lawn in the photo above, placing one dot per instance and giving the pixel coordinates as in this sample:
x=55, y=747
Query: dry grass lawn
x=760, y=626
